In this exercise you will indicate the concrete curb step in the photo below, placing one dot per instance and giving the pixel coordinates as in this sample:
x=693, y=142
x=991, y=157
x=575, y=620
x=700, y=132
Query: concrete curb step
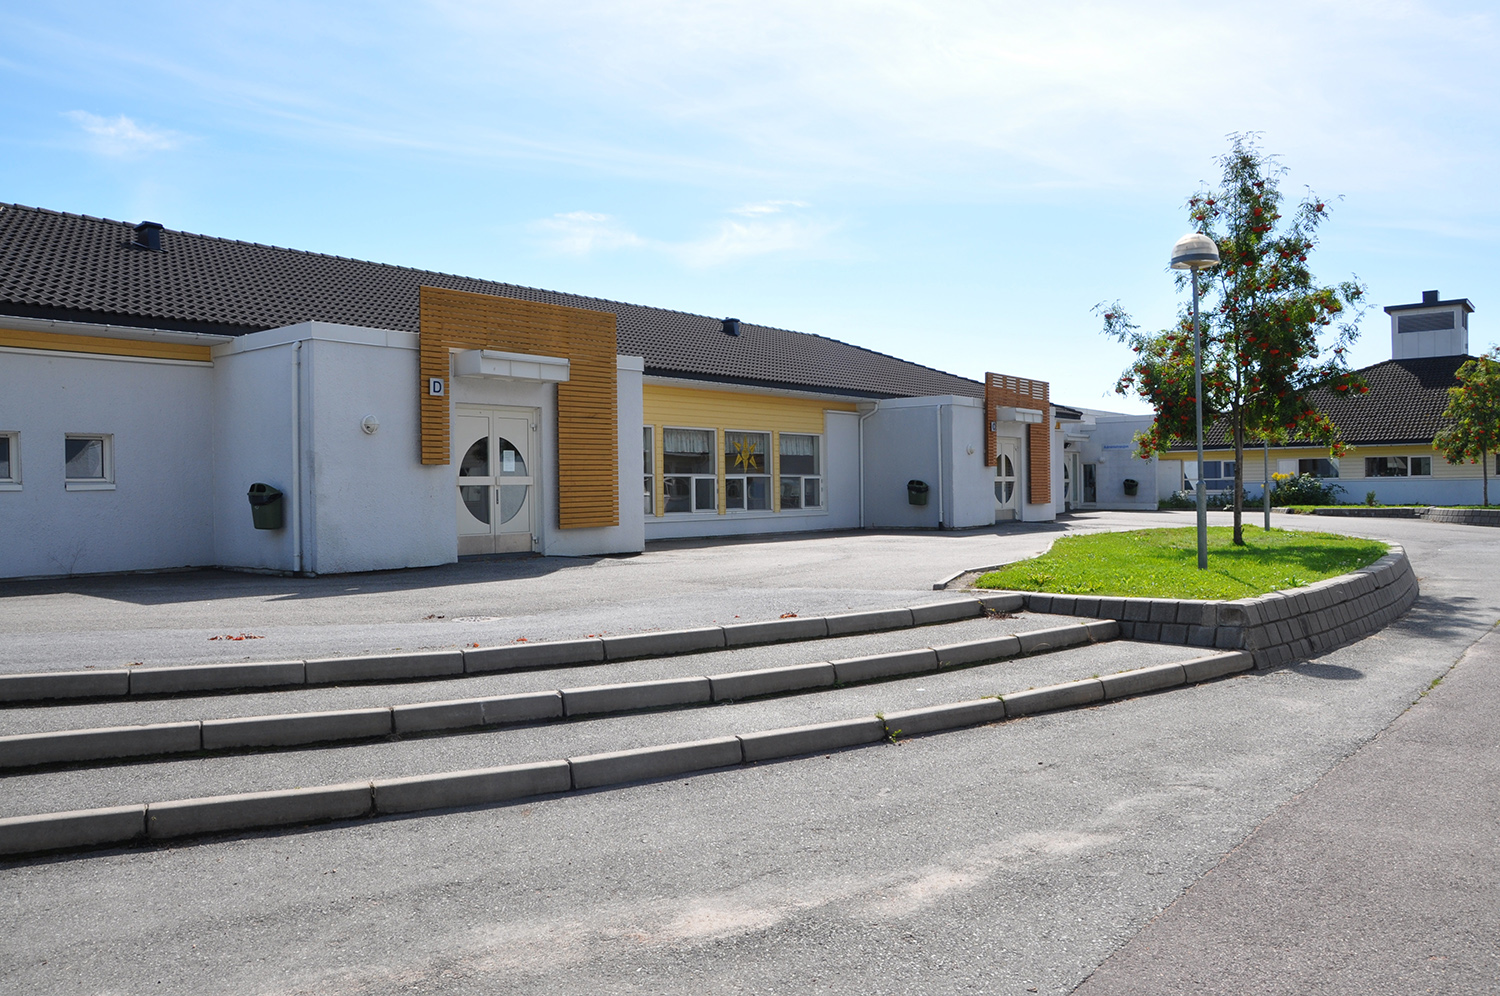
x=24, y=835
x=27, y=750
x=197, y=678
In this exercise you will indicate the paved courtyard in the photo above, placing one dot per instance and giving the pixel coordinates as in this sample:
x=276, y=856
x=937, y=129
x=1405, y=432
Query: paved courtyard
x=1307, y=829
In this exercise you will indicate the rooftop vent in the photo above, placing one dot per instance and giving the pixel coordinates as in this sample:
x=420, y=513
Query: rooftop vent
x=148, y=235
x=731, y=326
x=1429, y=297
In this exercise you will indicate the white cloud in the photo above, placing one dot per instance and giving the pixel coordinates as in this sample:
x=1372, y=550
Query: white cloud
x=121, y=138
x=578, y=233
x=767, y=231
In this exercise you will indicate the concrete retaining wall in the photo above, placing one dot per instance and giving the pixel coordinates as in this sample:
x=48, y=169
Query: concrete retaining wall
x=1432, y=513
x=1275, y=628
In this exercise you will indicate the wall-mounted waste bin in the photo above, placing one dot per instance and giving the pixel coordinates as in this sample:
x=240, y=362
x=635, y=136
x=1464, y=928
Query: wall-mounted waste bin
x=266, y=506
x=1131, y=487
x=916, y=492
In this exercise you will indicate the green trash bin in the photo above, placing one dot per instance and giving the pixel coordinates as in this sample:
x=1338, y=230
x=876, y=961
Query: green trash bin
x=266, y=507
x=916, y=492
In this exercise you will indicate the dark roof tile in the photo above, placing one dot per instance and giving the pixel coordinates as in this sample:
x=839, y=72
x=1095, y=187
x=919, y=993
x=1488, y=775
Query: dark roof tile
x=77, y=268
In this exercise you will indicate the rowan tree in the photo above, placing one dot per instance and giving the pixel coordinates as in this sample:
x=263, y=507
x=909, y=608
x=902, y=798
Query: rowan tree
x=1272, y=334
x=1473, y=415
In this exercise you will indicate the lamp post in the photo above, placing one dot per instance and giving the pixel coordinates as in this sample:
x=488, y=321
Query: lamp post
x=1193, y=252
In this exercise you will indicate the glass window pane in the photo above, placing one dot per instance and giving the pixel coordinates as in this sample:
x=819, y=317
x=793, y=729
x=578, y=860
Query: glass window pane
x=512, y=464
x=734, y=492
x=512, y=498
x=85, y=459
x=679, y=493
x=1421, y=466
x=4, y=458
x=791, y=492
x=647, y=450
x=799, y=453
x=476, y=461
x=704, y=493
x=476, y=499
x=758, y=496
x=688, y=451
x=812, y=492
x=745, y=452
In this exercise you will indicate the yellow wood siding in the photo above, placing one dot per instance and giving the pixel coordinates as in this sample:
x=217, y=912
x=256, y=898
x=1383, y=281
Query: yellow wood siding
x=695, y=408
x=588, y=456
x=1351, y=466
x=66, y=343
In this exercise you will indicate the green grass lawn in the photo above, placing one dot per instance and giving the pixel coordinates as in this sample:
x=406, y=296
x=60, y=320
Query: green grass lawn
x=1163, y=563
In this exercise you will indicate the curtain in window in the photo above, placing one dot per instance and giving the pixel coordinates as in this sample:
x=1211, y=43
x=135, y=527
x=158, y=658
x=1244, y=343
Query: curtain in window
x=688, y=440
x=798, y=445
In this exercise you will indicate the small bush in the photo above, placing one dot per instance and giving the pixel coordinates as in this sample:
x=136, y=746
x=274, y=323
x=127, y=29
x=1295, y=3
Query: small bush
x=1179, y=500
x=1303, y=489
x=1370, y=498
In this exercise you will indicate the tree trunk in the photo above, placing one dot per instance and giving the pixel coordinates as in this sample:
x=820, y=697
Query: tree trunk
x=1239, y=477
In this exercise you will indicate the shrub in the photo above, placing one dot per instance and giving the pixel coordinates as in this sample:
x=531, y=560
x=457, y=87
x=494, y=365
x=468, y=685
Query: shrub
x=1178, y=499
x=1303, y=489
x=1369, y=498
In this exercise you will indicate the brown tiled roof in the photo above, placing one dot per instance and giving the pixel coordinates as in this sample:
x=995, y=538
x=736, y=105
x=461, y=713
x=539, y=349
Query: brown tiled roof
x=1405, y=404
x=76, y=268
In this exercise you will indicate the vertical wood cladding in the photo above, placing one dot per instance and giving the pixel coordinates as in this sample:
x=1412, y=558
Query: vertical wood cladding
x=1003, y=391
x=588, y=459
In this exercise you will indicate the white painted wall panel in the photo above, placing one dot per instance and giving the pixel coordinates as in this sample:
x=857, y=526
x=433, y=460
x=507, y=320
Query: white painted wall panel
x=159, y=415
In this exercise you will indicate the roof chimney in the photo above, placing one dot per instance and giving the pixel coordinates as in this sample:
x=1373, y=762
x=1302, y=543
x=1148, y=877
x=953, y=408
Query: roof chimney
x=1429, y=297
x=731, y=326
x=1433, y=328
x=148, y=236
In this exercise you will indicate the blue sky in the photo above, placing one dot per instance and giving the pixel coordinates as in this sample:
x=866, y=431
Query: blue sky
x=957, y=183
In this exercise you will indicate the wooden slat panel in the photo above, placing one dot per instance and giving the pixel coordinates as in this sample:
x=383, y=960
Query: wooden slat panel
x=588, y=458
x=1039, y=461
x=105, y=346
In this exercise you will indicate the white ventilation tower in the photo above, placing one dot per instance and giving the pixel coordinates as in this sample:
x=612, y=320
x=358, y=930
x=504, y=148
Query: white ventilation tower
x=1432, y=328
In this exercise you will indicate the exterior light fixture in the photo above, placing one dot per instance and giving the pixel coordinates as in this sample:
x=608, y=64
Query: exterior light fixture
x=1193, y=252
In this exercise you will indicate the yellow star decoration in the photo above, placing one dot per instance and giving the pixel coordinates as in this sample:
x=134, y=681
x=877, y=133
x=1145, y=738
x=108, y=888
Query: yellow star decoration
x=744, y=454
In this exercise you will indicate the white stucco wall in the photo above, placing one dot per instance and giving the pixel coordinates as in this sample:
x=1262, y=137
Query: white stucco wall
x=158, y=414
x=253, y=398
x=366, y=501
x=1113, y=441
x=969, y=492
x=841, y=470
x=901, y=444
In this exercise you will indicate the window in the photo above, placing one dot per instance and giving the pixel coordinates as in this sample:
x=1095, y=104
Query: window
x=10, y=461
x=1398, y=466
x=88, y=464
x=1318, y=468
x=688, y=480
x=1218, y=475
x=801, y=472
x=648, y=451
x=747, y=471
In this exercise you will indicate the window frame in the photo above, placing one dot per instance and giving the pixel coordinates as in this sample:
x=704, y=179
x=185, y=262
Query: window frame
x=1410, y=468
x=106, y=480
x=12, y=480
x=1331, y=462
x=648, y=450
x=694, y=479
x=746, y=477
x=818, y=478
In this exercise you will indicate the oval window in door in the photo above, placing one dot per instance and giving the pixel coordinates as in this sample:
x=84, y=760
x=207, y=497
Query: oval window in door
x=511, y=464
x=476, y=461
x=1005, y=479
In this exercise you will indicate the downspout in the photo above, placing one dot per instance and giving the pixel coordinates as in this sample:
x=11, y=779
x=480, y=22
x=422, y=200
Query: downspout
x=296, y=488
x=862, y=418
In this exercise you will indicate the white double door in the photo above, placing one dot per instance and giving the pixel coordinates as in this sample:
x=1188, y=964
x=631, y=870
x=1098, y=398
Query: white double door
x=495, y=452
x=1007, y=481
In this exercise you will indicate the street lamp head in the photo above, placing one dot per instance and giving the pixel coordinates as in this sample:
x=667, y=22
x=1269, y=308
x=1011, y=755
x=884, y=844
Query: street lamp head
x=1194, y=251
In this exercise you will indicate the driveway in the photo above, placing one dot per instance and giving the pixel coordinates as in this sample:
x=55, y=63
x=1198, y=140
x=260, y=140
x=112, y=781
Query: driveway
x=1014, y=858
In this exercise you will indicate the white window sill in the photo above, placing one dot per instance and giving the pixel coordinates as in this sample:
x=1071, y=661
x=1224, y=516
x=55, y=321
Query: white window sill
x=89, y=485
x=10, y=485
x=738, y=514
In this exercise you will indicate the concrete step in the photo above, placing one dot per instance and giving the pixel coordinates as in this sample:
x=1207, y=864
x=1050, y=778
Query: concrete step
x=39, y=717
x=216, y=774
x=106, y=682
x=238, y=811
x=291, y=729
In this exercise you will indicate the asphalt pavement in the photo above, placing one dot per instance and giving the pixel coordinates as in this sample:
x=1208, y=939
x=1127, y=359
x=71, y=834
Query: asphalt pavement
x=1264, y=833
